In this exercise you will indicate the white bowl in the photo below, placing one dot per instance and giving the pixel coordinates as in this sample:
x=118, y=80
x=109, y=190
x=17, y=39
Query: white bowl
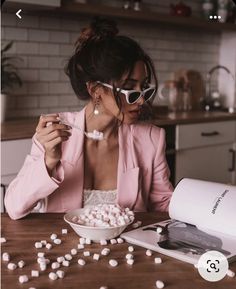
x=93, y=233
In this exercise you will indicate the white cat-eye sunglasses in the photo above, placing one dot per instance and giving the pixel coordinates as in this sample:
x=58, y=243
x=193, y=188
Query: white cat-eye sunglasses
x=133, y=96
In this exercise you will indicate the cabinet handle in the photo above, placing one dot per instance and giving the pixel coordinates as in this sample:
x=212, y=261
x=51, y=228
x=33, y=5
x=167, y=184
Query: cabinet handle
x=212, y=133
x=232, y=168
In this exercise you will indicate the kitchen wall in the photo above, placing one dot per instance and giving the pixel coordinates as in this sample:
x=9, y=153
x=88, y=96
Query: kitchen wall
x=44, y=43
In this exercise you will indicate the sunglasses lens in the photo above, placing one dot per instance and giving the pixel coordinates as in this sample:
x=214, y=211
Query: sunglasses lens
x=148, y=94
x=134, y=96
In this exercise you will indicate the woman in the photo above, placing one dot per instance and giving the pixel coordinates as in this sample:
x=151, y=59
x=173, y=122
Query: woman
x=68, y=170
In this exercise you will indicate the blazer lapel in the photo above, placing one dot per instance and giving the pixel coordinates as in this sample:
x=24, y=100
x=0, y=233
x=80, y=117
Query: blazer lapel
x=128, y=178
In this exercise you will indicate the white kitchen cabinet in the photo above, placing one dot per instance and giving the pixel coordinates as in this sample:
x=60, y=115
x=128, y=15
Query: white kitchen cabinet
x=205, y=151
x=13, y=153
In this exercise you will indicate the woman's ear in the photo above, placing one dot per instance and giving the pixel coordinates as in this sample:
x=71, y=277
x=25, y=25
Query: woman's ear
x=94, y=89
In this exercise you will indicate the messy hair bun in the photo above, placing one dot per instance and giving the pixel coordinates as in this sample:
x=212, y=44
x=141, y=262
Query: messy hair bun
x=98, y=29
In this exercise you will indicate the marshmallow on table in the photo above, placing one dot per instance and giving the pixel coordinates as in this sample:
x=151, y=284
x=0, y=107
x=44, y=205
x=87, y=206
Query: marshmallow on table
x=103, y=287
x=23, y=279
x=148, y=252
x=131, y=249
x=96, y=257
x=113, y=262
x=64, y=231
x=21, y=264
x=52, y=276
x=73, y=251
x=3, y=240
x=57, y=241
x=11, y=266
x=80, y=246
x=137, y=224
x=66, y=263
x=159, y=284
x=105, y=251
x=230, y=273
x=86, y=253
x=49, y=246
x=81, y=262
x=35, y=273
x=38, y=245
x=53, y=236
x=44, y=242
x=60, y=274
x=120, y=240
x=113, y=241
x=158, y=260
x=129, y=256
x=88, y=241
x=68, y=257
x=41, y=254
x=55, y=265
x=60, y=259
x=130, y=261
x=5, y=257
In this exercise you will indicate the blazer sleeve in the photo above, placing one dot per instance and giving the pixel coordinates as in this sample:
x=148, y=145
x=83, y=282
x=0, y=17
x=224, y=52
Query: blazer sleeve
x=161, y=189
x=32, y=183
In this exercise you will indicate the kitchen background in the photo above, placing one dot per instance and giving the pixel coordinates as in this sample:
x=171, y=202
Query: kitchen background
x=200, y=144
x=44, y=43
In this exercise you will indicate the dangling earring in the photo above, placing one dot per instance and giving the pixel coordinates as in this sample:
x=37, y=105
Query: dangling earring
x=96, y=111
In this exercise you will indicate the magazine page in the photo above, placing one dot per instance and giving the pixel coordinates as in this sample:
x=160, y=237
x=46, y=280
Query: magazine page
x=209, y=206
x=181, y=241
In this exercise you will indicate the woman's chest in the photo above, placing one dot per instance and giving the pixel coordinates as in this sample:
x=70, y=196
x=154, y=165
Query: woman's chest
x=100, y=167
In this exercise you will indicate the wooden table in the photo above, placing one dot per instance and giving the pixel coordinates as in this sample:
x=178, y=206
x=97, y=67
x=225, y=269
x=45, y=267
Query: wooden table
x=22, y=234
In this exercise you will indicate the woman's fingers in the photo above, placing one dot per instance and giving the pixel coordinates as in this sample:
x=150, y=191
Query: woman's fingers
x=44, y=119
x=53, y=143
x=55, y=134
x=53, y=127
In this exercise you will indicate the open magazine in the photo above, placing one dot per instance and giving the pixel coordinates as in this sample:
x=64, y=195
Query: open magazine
x=203, y=218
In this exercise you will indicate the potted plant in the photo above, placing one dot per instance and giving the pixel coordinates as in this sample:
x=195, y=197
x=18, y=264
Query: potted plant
x=9, y=76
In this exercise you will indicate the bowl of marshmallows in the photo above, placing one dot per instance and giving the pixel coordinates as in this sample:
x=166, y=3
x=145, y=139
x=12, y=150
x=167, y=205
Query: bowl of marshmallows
x=100, y=222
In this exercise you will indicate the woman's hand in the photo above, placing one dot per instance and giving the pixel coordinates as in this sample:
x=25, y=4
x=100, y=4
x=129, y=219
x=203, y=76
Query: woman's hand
x=50, y=135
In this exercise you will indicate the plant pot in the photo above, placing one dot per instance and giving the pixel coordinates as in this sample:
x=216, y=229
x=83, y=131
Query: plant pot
x=3, y=107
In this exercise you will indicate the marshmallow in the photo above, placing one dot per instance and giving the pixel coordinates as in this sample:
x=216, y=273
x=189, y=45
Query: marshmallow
x=60, y=259
x=60, y=274
x=55, y=265
x=21, y=264
x=64, y=231
x=113, y=262
x=120, y=240
x=159, y=284
x=43, y=242
x=53, y=236
x=88, y=241
x=158, y=260
x=68, y=257
x=66, y=263
x=131, y=249
x=105, y=251
x=41, y=254
x=82, y=241
x=11, y=266
x=52, y=276
x=96, y=257
x=129, y=256
x=81, y=262
x=3, y=240
x=113, y=241
x=130, y=261
x=73, y=251
x=103, y=287
x=86, y=253
x=49, y=246
x=6, y=257
x=57, y=241
x=230, y=273
x=23, y=279
x=103, y=242
x=38, y=245
x=80, y=246
x=149, y=253
x=34, y=273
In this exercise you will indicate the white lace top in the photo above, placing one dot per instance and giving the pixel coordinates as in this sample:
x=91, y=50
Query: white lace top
x=95, y=197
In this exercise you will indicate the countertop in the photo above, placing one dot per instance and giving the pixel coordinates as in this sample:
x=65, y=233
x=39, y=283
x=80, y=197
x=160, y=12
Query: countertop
x=22, y=234
x=25, y=128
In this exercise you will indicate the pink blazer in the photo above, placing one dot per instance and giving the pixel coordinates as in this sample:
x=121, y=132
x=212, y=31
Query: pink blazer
x=142, y=179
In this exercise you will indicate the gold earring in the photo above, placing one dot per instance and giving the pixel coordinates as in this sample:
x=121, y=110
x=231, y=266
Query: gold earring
x=96, y=111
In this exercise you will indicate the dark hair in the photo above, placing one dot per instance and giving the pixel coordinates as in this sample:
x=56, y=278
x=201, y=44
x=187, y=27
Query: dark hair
x=102, y=55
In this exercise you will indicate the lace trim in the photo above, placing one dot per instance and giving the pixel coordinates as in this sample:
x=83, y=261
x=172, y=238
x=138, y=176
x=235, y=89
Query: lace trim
x=95, y=197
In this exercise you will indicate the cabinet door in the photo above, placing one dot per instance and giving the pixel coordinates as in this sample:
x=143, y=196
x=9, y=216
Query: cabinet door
x=210, y=163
